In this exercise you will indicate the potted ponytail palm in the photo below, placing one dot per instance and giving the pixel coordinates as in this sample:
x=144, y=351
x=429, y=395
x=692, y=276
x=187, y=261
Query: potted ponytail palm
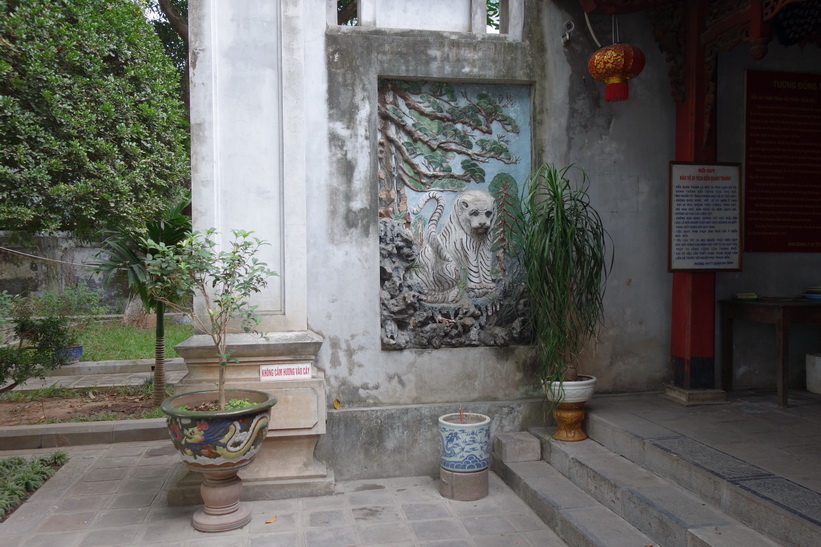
x=566, y=260
x=220, y=431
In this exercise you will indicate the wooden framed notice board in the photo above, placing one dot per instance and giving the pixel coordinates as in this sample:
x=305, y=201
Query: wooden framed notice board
x=704, y=217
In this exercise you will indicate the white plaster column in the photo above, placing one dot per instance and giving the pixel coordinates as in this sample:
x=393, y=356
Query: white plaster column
x=247, y=142
x=249, y=172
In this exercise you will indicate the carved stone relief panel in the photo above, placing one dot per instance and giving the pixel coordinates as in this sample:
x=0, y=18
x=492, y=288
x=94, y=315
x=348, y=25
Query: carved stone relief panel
x=452, y=160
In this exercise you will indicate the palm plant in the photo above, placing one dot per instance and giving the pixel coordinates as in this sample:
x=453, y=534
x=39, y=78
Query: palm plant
x=124, y=253
x=566, y=260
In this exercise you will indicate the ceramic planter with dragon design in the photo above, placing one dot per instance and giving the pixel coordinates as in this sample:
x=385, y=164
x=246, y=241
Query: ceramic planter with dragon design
x=218, y=443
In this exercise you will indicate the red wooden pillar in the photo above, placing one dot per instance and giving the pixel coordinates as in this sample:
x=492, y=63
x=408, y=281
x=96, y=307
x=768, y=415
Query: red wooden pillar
x=693, y=313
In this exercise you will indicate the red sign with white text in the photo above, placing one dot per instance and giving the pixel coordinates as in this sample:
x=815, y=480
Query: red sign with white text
x=783, y=161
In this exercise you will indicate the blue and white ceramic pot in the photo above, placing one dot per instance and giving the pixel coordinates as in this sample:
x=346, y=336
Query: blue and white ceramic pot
x=464, y=441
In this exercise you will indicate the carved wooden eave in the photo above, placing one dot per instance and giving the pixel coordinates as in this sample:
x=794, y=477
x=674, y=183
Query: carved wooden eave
x=727, y=23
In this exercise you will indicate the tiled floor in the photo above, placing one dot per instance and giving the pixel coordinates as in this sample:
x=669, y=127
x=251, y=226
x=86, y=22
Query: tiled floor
x=115, y=495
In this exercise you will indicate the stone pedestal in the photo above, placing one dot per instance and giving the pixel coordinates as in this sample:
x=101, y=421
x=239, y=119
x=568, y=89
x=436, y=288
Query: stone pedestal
x=469, y=486
x=285, y=465
x=814, y=373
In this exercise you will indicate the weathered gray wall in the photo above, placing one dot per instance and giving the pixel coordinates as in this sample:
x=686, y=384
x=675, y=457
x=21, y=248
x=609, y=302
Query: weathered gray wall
x=51, y=263
x=391, y=400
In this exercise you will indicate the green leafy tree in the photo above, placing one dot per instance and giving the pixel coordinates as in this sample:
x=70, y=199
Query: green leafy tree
x=347, y=12
x=124, y=254
x=93, y=133
x=170, y=20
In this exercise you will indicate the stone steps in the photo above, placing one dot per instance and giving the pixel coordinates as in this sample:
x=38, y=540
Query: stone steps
x=592, y=496
x=575, y=516
x=766, y=502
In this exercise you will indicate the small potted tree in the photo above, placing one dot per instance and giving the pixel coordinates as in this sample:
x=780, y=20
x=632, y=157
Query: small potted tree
x=566, y=261
x=220, y=431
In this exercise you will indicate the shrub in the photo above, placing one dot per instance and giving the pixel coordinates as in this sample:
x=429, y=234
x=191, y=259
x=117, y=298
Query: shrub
x=41, y=343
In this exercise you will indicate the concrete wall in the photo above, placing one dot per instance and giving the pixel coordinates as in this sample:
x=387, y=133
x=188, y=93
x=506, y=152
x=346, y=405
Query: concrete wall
x=51, y=263
x=572, y=124
x=390, y=400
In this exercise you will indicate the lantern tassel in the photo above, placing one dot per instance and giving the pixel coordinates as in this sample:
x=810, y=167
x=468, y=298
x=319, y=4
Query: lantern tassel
x=617, y=91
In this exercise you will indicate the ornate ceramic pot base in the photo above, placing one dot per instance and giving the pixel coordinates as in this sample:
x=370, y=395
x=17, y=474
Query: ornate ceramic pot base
x=569, y=418
x=569, y=413
x=222, y=511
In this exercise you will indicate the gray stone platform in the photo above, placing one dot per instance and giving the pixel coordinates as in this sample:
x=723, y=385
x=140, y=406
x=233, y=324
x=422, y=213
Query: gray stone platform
x=655, y=472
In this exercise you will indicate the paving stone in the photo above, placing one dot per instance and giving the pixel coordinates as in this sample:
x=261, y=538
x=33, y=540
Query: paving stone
x=376, y=513
x=326, y=519
x=448, y=543
x=338, y=537
x=26, y=518
x=148, y=471
x=428, y=530
x=122, y=535
x=414, y=506
x=151, y=484
x=370, y=497
x=14, y=541
x=525, y=522
x=486, y=525
x=93, y=488
x=118, y=461
x=83, y=503
x=282, y=539
x=325, y=501
x=66, y=522
x=67, y=539
x=495, y=540
x=270, y=522
x=143, y=499
x=109, y=474
x=426, y=511
x=119, y=517
x=384, y=534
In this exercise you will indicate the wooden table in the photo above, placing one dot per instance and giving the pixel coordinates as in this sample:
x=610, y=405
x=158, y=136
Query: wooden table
x=776, y=311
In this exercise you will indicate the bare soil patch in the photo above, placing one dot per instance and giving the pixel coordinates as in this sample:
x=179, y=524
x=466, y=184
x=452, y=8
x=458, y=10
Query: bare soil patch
x=95, y=405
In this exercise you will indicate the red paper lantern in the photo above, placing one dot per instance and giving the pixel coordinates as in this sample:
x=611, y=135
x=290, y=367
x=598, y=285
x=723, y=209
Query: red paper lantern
x=614, y=65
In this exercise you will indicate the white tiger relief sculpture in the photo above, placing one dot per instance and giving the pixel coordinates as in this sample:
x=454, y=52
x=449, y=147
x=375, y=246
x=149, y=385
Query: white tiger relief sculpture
x=464, y=244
